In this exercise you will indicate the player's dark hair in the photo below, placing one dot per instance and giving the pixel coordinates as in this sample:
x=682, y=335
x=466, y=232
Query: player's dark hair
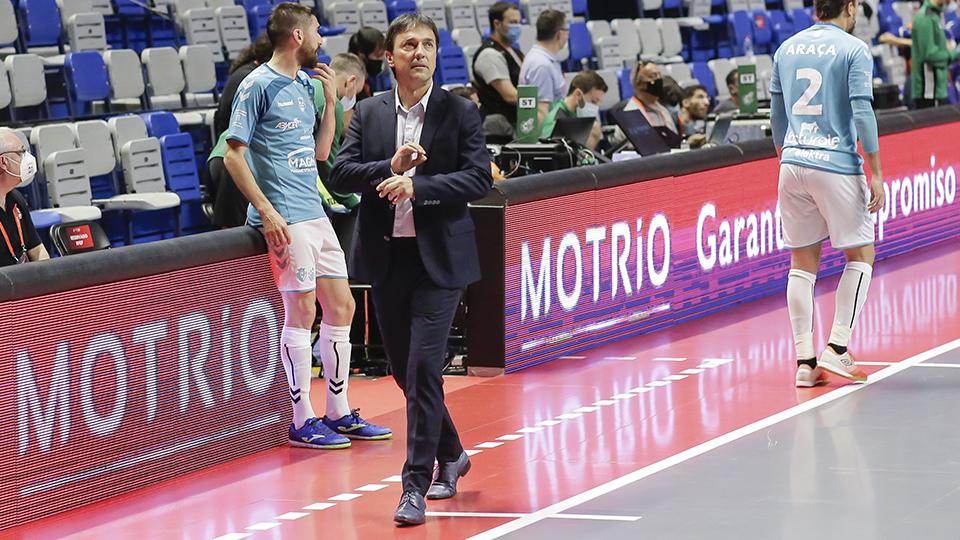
x=284, y=19
x=498, y=10
x=732, y=77
x=586, y=81
x=549, y=24
x=830, y=9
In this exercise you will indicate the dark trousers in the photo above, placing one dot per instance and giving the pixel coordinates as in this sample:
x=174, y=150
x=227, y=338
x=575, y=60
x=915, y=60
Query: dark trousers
x=927, y=103
x=415, y=317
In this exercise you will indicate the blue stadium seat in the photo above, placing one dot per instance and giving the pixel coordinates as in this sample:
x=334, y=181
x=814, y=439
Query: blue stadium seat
x=40, y=23
x=250, y=4
x=626, y=85
x=672, y=8
x=580, y=8
x=581, y=46
x=446, y=38
x=801, y=20
x=781, y=27
x=395, y=8
x=87, y=81
x=257, y=19
x=762, y=32
x=704, y=75
x=890, y=20
x=451, y=66
x=179, y=168
x=740, y=27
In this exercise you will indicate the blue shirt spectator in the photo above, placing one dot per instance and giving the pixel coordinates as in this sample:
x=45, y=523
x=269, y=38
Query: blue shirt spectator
x=541, y=67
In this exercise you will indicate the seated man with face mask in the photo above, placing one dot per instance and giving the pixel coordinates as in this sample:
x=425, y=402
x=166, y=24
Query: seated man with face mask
x=21, y=243
x=648, y=93
x=583, y=100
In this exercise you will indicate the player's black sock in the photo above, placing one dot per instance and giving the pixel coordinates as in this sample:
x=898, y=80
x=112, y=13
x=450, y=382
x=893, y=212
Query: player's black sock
x=812, y=362
x=838, y=349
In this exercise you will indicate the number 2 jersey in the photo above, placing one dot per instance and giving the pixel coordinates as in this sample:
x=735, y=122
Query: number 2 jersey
x=819, y=72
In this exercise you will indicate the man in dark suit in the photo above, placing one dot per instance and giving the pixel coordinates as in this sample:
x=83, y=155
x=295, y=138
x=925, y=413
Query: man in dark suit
x=417, y=154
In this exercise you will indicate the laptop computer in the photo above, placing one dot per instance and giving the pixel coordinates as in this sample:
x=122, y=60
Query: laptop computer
x=646, y=139
x=720, y=128
x=575, y=129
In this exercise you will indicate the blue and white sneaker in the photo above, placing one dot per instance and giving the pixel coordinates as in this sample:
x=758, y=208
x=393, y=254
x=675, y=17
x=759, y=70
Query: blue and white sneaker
x=354, y=427
x=315, y=434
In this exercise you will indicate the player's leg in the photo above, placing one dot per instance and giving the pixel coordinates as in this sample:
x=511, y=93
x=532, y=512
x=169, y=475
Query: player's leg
x=293, y=269
x=333, y=343
x=852, y=230
x=804, y=230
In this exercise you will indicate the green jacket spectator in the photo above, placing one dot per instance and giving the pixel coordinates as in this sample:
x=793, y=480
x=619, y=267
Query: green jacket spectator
x=930, y=56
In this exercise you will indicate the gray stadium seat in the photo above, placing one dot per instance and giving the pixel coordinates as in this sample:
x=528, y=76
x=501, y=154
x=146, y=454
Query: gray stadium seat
x=343, y=13
x=672, y=42
x=164, y=76
x=528, y=37
x=609, y=52
x=69, y=8
x=87, y=32
x=199, y=73
x=334, y=45
x=103, y=7
x=202, y=28
x=373, y=13
x=466, y=37
x=93, y=136
x=5, y=96
x=651, y=44
x=460, y=14
x=142, y=166
x=8, y=23
x=533, y=8
x=612, y=97
x=566, y=6
x=720, y=68
x=28, y=86
x=435, y=10
x=626, y=30
x=64, y=170
x=126, y=79
x=234, y=30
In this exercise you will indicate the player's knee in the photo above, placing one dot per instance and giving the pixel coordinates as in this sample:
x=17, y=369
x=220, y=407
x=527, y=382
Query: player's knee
x=865, y=254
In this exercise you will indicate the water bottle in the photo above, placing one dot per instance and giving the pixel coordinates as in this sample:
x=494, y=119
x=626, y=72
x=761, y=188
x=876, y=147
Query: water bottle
x=748, y=46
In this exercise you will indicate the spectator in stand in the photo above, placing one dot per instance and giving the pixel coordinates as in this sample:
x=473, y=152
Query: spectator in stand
x=693, y=115
x=583, y=100
x=541, y=67
x=648, y=90
x=229, y=205
x=672, y=94
x=367, y=43
x=732, y=103
x=930, y=56
x=21, y=243
x=496, y=70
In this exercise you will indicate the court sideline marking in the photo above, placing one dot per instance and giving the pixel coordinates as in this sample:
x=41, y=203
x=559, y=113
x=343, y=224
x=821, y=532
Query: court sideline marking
x=707, y=446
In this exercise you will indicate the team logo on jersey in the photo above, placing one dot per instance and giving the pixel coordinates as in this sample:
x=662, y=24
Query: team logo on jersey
x=302, y=160
x=285, y=103
x=284, y=125
x=810, y=135
x=302, y=104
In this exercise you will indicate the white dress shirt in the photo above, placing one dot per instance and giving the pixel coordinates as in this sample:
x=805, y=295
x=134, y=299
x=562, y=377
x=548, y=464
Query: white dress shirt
x=409, y=127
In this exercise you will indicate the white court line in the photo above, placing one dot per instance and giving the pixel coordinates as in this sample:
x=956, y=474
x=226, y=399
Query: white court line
x=290, y=516
x=658, y=383
x=489, y=445
x=605, y=402
x=569, y=416
x=675, y=377
x=623, y=396
x=319, y=506
x=549, y=422
x=669, y=359
x=396, y=478
x=707, y=446
x=619, y=357
x=692, y=371
x=233, y=536
x=345, y=497
x=640, y=390
x=585, y=409
x=510, y=437
x=263, y=526
x=590, y=517
x=931, y=365
x=571, y=358
x=472, y=452
x=372, y=487
x=533, y=429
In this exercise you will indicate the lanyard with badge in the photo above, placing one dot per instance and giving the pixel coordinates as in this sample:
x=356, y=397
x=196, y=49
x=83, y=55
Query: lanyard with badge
x=22, y=258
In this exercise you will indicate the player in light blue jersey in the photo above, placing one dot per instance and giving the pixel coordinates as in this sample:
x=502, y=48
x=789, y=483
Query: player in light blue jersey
x=272, y=156
x=821, y=97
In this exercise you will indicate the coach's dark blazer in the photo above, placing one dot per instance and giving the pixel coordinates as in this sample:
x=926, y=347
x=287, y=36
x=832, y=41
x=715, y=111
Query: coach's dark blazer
x=456, y=172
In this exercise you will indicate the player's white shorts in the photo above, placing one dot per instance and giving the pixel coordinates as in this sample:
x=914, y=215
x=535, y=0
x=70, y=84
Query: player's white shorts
x=314, y=253
x=816, y=204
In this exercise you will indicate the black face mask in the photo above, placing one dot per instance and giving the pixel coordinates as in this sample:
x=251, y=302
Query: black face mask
x=655, y=88
x=374, y=67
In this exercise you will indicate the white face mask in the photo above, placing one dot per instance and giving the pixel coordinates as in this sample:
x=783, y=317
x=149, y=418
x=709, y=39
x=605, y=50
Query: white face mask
x=28, y=169
x=348, y=102
x=564, y=53
x=589, y=110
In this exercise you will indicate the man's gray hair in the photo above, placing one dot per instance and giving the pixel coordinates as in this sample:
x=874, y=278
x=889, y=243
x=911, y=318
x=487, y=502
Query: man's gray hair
x=7, y=137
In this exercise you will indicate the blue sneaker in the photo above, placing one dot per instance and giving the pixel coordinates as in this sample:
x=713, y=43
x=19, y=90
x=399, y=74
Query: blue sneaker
x=315, y=434
x=354, y=427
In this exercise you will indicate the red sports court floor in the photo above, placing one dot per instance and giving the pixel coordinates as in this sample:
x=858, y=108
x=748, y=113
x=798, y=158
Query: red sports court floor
x=549, y=434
